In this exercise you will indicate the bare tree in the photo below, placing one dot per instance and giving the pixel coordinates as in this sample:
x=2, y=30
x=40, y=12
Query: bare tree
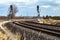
x=12, y=11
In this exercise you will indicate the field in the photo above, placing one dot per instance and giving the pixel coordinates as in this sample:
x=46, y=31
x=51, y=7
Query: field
x=3, y=36
x=49, y=21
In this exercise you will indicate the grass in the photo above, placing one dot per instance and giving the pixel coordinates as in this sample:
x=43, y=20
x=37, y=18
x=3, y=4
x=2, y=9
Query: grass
x=3, y=36
x=50, y=21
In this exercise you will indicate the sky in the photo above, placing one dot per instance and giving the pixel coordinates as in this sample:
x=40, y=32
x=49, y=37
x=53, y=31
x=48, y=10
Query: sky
x=28, y=7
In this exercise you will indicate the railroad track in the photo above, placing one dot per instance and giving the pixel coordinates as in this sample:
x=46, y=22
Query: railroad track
x=49, y=29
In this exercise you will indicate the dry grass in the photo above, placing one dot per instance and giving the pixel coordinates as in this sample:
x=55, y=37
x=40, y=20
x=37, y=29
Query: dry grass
x=1, y=20
x=16, y=36
x=3, y=36
x=49, y=21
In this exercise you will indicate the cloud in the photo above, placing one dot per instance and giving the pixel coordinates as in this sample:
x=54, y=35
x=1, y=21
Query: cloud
x=46, y=6
x=50, y=0
x=13, y=1
x=57, y=1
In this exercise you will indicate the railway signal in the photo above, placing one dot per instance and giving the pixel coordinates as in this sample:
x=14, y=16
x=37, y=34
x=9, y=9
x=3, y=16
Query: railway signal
x=38, y=11
x=12, y=11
